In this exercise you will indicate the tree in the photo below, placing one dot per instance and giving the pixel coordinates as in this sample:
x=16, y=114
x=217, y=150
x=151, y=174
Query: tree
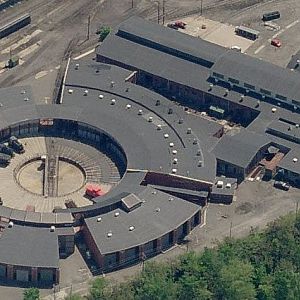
x=98, y=289
x=236, y=281
x=103, y=32
x=73, y=297
x=31, y=294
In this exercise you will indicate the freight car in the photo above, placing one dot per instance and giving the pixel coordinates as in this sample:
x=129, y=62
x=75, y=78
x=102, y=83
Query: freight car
x=15, y=25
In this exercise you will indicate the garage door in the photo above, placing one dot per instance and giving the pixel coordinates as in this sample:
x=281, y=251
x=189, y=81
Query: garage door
x=22, y=275
x=2, y=271
x=46, y=275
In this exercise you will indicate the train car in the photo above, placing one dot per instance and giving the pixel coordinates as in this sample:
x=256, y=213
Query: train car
x=247, y=32
x=271, y=16
x=15, y=25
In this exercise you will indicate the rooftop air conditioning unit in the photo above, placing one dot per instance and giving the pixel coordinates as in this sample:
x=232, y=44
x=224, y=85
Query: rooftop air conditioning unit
x=52, y=228
x=70, y=91
x=170, y=111
x=228, y=185
x=23, y=92
x=166, y=135
x=99, y=219
x=131, y=228
x=210, y=87
x=157, y=102
x=174, y=152
x=109, y=234
x=128, y=106
x=85, y=92
x=189, y=131
x=220, y=184
x=174, y=171
x=295, y=159
x=180, y=121
x=10, y=224
x=150, y=119
x=112, y=84
x=195, y=142
x=117, y=214
x=200, y=163
x=274, y=109
x=175, y=161
x=113, y=101
x=76, y=66
x=159, y=127
x=171, y=145
x=140, y=112
x=100, y=96
x=198, y=152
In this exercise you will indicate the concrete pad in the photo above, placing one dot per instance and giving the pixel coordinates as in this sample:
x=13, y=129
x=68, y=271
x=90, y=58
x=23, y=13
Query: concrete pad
x=215, y=32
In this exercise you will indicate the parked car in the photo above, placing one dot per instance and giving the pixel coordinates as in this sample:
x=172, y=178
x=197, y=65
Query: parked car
x=15, y=144
x=276, y=43
x=177, y=24
x=282, y=185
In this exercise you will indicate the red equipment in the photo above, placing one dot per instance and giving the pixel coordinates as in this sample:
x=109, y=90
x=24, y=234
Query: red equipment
x=93, y=190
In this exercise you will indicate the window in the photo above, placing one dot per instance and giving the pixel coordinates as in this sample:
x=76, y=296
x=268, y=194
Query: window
x=233, y=80
x=265, y=92
x=218, y=75
x=249, y=86
x=280, y=97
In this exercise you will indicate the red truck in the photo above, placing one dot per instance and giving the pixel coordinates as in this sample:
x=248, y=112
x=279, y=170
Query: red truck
x=177, y=24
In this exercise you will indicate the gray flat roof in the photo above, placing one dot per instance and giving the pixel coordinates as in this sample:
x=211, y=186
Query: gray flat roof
x=29, y=246
x=259, y=73
x=241, y=148
x=156, y=217
x=288, y=162
x=169, y=38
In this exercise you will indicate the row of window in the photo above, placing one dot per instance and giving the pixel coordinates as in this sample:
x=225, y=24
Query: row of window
x=252, y=87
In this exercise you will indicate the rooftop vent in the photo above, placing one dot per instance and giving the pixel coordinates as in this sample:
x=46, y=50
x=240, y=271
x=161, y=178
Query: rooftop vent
x=220, y=184
x=174, y=152
x=26, y=99
x=112, y=83
x=297, y=125
x=157, y=102
x=157, y=209
x=274, y=109
x=128, y=106
x=154, y=192
x=100, y=96
x=210, y=87
x=85, y=92
x=198, y=152
x=52, y=228
x=226, y=92
x=174, y=171
x=99, y=219
x=76, y=66
x=140, y=112
x=23, y=92
x=117, y=214
x=166, y=135
x=195, y=142
x=113, y=101
x=180, y=121
x=150, y=119
x=200, y=163
x=109, y=234
x=171, y=199
x=170, y=111
x=171, y=145
x=295, y=159
x=175, y=161
x=131, y=228
x=242, y=98
x=257, y=103
x=189, y=131
x=70, y=91
x=158, y=127
x=10, y=224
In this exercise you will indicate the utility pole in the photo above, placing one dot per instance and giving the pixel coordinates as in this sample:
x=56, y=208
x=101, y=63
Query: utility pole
x=297, y=203
x=230, y=229
x=163, y=12
x=158, y=11
x=131, y=3
x=201, y=7
x=88, y=27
